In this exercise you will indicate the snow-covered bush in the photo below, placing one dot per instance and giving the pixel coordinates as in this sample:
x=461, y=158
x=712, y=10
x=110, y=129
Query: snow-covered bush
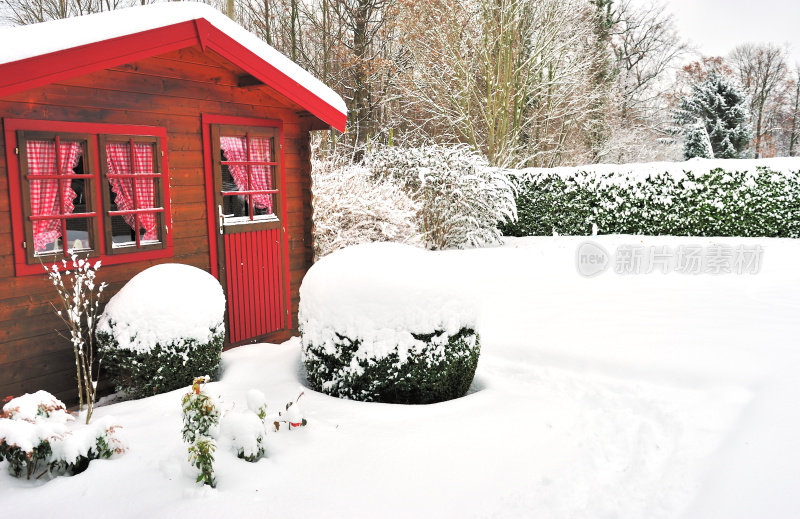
x=292, y=416
x=164, y=326
x=246, y=433
x=379, y=323
x=246, y=430
x=200, y=422
x=350, y=208
x=462, y=200
x=694, y=198
x=38, y=436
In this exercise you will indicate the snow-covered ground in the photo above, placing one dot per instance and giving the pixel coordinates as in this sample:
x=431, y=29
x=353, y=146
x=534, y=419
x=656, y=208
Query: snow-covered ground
x=651, y=395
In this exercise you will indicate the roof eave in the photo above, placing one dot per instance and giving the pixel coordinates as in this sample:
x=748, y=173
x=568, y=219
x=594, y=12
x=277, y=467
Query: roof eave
x=48, y=68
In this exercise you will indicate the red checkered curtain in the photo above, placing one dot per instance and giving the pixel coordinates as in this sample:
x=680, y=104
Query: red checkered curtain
x=118, y=157
x=235, y=149
x=45, y=199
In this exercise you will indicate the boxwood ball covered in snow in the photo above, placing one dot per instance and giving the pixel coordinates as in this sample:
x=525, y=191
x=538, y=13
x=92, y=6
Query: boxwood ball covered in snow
x=386, y=322
x=163, y=328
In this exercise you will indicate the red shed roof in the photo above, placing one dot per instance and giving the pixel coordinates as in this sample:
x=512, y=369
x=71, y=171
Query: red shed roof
x=35, y=55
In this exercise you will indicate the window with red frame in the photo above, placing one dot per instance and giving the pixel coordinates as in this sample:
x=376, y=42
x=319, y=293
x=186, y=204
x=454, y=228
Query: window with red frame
x=57, y=193
x=96, y=194
x=247, y=170
x=132, y=193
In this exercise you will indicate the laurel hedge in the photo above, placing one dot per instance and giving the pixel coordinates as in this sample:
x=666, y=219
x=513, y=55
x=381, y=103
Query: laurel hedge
x=755, y=201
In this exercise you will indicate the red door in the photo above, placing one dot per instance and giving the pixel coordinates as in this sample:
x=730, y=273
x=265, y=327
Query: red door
x=250, y=231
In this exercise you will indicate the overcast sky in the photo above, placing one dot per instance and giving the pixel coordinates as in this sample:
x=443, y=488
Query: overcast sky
x=717, y=26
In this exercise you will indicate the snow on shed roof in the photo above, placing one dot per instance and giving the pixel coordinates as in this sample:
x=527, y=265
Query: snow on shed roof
x=41, y=39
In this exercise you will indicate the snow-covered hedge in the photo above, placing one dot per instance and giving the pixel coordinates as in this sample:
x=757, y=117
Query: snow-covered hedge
x=462, y=200
x=39, y=437
x=163, y=328
x=351, y=207
x=694, y=198
x=379, y=323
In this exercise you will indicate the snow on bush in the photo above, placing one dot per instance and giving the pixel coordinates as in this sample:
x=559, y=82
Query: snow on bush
x=698, y=197
x=350, y=208
x=246, y=432
x=38, y=437
x=380, y=323
x=164, y=326
x=32, y=407
x=462, y=200
x=205, y=424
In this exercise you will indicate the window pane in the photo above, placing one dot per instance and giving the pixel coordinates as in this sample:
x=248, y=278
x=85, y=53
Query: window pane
x=145, y=190
x=48, y=237
x=80, y=202
x=262, y=149
x=78, y=234
x=234, y=206
x=51, y=196
x=121, y=233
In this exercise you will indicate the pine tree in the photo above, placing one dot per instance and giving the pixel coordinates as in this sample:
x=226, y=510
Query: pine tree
x=721, y=107
x=697, y=142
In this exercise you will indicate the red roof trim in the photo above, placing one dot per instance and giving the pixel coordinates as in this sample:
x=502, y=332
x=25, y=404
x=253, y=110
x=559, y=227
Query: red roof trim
x=239, y=55
x=41, y=70
x=49, y=68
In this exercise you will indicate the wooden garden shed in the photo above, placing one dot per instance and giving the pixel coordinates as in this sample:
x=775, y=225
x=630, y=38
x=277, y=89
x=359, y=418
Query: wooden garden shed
x=162, y=133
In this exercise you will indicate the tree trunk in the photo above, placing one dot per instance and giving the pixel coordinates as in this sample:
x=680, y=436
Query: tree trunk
x=267, y=28
x=794, y=136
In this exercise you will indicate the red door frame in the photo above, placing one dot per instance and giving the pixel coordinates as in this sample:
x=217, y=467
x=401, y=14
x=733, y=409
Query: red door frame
x=207, y=121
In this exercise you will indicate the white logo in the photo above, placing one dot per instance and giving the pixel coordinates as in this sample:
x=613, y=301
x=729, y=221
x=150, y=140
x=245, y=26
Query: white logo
x=591, y=259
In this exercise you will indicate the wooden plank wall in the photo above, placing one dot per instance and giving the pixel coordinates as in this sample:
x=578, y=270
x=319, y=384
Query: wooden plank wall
x=171, y=91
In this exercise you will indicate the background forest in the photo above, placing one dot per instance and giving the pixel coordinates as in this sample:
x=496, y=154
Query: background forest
x=523, y=82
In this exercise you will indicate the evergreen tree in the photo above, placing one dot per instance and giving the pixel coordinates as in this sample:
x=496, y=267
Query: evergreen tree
x=697, y=142
x=721, y=107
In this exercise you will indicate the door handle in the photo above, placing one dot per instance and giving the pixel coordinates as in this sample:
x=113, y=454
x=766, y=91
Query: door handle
x=222, y=217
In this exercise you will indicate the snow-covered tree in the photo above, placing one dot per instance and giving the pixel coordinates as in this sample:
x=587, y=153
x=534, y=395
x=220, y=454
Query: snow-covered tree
x=762, y=72
x=79, y=302
x=511, y=78
x=350, y=207
x=462, y=200
x=721, y=106
x=697, y=143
